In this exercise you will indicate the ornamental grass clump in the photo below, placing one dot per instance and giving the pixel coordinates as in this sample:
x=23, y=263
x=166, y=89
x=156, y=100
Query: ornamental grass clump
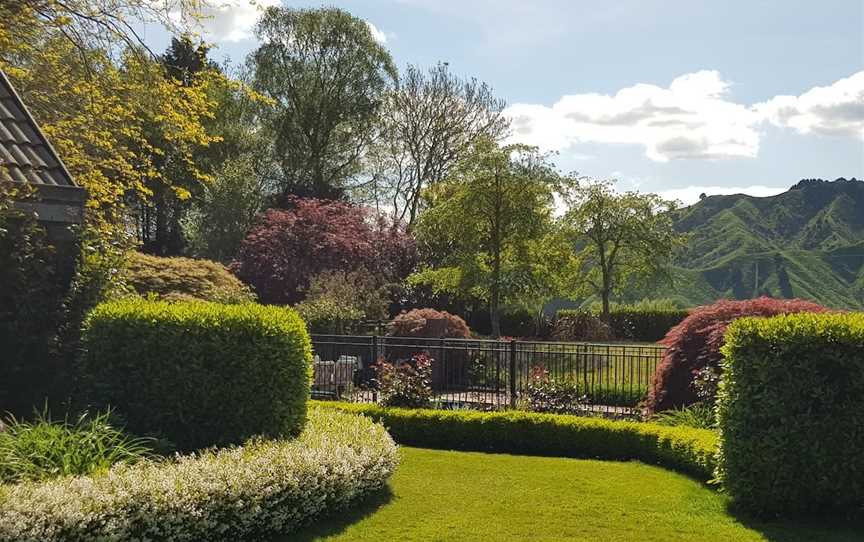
x=44, y=448
x=252, y=492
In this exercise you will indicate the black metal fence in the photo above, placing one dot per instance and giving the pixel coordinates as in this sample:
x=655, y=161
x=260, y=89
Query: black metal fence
x=490, y=374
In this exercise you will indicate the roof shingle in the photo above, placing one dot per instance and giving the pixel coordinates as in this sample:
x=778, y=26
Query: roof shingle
x=25, y=154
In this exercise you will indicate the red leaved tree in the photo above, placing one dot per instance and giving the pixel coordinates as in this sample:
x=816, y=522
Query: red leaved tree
x=694, y=345
x=287, y=247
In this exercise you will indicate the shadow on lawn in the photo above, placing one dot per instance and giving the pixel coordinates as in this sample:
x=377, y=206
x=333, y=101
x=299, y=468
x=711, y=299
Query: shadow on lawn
x=336, y=523
x=828, y=529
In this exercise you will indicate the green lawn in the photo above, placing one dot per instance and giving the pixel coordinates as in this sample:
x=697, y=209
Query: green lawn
x=442, y=495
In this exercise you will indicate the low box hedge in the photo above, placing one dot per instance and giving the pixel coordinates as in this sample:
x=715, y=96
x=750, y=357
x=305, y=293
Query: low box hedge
x=631, y=323
x=683, y=449
x=245, y=493
x=196, y=373
x=789, y=411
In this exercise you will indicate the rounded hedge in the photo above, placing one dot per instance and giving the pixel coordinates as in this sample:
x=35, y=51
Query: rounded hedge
x=428, y=323
x=253, y=492
x=683, y=449
x=695, y=343
x=184, y=279
x=195, y=373
x=789, y=411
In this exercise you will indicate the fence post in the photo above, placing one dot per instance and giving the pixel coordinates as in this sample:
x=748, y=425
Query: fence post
x=512, y=375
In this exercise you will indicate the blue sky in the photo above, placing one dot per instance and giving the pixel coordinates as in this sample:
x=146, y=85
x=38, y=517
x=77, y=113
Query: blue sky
x=668, y=96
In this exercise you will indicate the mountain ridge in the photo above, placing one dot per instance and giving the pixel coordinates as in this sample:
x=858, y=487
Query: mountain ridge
x=807, y=242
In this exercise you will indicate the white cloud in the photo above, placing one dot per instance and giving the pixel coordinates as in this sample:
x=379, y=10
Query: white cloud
x=836, y=110
x=690, y=194
x=692, y=118
x=378, y=35
x=232, y=20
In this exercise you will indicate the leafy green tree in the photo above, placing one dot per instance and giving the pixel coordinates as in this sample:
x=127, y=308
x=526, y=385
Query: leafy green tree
x=326, y=76
x=488, y=224
x=617, y=238
x=225, y=210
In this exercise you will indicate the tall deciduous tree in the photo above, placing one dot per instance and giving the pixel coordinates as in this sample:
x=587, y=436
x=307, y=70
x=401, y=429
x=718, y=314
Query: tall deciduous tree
x=427, y=123
x=327, y=76
x=618, y=238
x=487, y=223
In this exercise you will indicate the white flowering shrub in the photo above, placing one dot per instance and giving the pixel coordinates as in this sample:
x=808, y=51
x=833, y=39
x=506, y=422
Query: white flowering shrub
x=262, y=488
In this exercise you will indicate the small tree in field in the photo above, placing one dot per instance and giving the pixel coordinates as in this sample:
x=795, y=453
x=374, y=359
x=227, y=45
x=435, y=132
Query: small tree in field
x=618, y=238
x=487, y=224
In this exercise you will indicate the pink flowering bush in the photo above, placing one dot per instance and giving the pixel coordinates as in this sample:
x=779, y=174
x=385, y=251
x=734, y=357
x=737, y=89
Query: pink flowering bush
x=405, y=383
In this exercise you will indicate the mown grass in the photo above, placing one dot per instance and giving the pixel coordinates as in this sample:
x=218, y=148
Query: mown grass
x=468, y=496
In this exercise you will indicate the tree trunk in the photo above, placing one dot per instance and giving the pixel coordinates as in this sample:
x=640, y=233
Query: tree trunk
x=605, y=296
x=494, y=312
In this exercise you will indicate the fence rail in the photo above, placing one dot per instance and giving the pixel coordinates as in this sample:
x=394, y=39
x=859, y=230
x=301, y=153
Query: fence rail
x=492, y=374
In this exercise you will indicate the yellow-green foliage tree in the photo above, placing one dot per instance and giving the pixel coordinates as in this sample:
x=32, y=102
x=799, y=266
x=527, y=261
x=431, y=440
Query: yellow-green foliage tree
x=489, y=230
x=104, y=102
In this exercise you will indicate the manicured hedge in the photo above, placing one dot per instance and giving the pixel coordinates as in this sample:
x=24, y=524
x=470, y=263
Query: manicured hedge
x=644, y=325
x=198, y=374
x=631, y=323
x=246, y=493
x=684, y=449
x=790, y=412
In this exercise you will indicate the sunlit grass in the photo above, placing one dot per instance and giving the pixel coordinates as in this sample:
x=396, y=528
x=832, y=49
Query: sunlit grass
x=459, y=496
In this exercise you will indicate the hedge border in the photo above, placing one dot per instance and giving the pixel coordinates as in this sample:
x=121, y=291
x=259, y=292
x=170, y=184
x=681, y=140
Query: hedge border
x=686, y=450
x=261, y=489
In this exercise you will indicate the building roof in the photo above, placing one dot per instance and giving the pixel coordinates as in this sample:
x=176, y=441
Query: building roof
x=26, y=156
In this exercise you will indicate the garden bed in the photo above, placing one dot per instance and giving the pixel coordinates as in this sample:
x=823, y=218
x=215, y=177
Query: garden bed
x=240, y=493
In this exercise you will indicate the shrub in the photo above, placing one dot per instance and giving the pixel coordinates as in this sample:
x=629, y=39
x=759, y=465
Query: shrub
x=198, y=373
x=644, y=325
x=429, y=323
x=286, y=248
x=405, y=383
x=694, y=345
x=45, y=449
x=515, y=322
x=580, y=325
x=31, y=294
x=546, y=394
x=337, y=301
x=789, y=411
x=184, y=279
x=681, y=448
x=326, y=315
x=646, y=321
x=699, y=415
x=252, y=492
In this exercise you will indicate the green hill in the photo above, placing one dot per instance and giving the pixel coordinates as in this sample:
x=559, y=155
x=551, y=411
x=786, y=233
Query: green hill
x=807, y=242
